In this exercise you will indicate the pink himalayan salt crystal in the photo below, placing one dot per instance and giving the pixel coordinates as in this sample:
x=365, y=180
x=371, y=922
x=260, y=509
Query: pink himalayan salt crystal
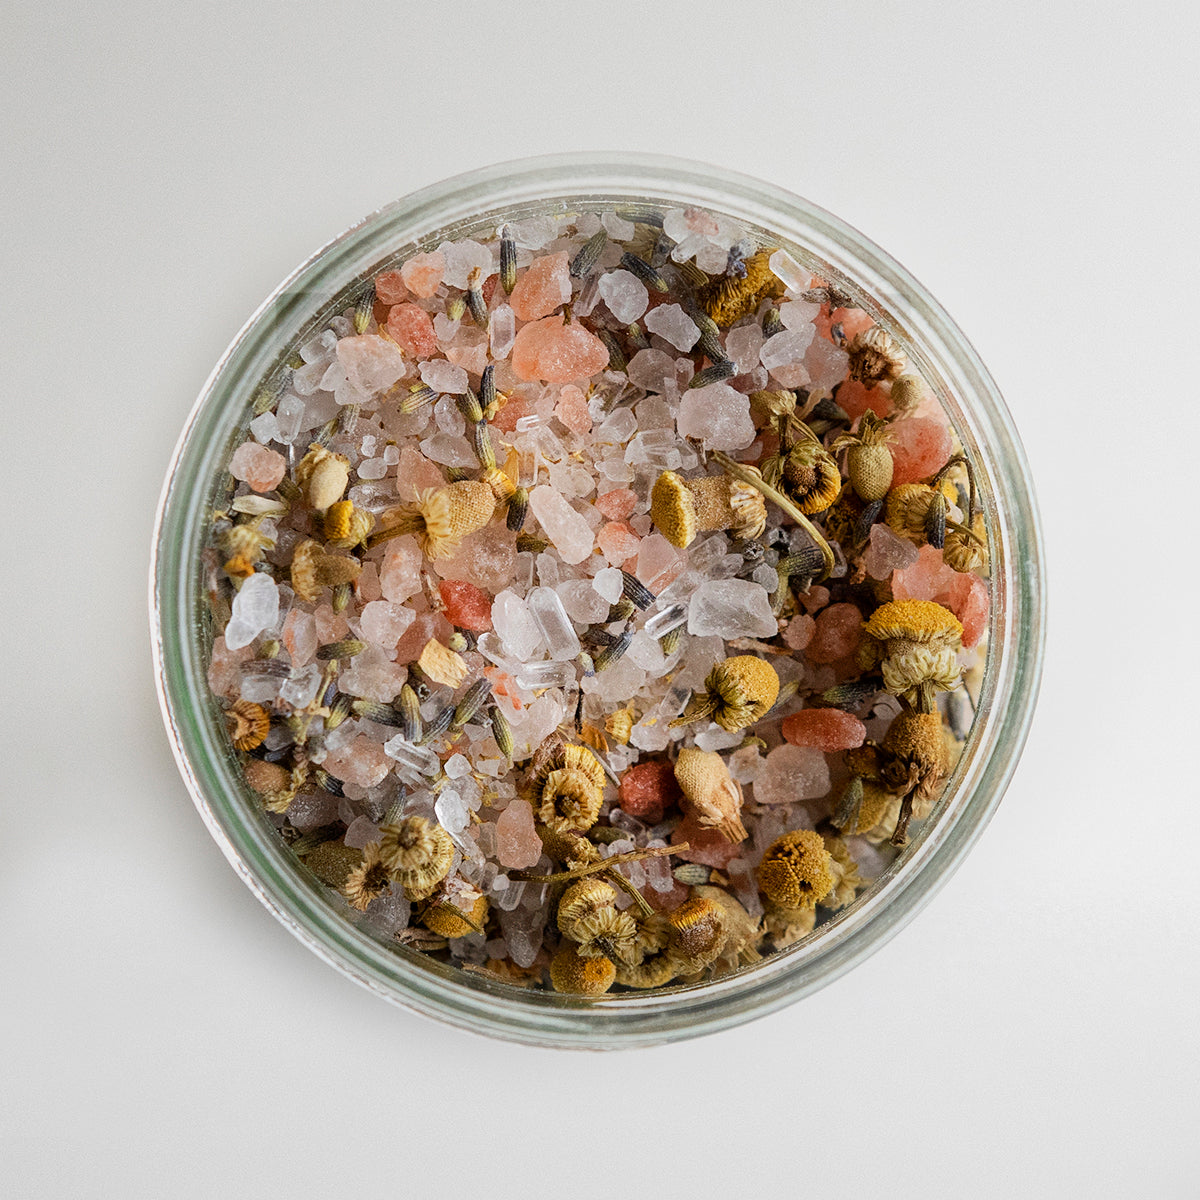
x=423, y=273
x=648, y=790
x=330, y=626
x=557, y=353
x=572, y=410
x=706, y=846
x=299, y=636
x=416, y=474
x=815, y=599
x=669, y=900
x=472, y=359
x=467, y=606
x=412, y=329
x=618, y=542
x=790, y=773
x=508, y=416
x=261, y=468
x=963, y=593
x=367, y=588
x=837, y=634
x=225, y=669
x=400, y=571
x=854, y=399
x=426, y=625
x=361, y=762
x=389, y=288
x=827, y=729
x=659, y=564
x=852, y=321
x=617, y=505
x=517, y=843
x=920, y=446
x=543, y=288
x=384, y=623
x=799, y=632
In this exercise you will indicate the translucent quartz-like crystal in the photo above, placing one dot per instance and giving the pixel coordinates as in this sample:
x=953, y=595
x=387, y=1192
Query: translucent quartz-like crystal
x=551, y=618
x=412, y=762
x=663, y=622
x=544, y=674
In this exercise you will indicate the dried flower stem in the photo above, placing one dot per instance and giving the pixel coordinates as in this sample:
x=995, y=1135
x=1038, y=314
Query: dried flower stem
x=603, y=865
x=755, y=480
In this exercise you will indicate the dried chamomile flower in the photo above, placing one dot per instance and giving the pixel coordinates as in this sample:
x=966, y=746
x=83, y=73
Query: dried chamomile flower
x=582, y=901
x=915, y=643
x=322, y=476
x=739, y=691
x=450, y=919
x=368, y=881
x=248, y=724
x=698, y=934
x=786, y=926
x=795, y=872
x=875, y=356
x=265, y=776
x=710, y=793
x=440, y=518
x=914, y=753
x=807, y=473
x=966, y=549
x=568, y=846
x=608, y=933
x=683, y=508
x=846, y=877
x=868, y=459
x=730, y=298
x=312, y=569
x=907, y=392
x=868, y=809
x=921, y=670
x=345, y=525
x=742, y=931
x=417, y=854
x=579, y=976
x=903, y=625
x=651, y=964
x=565, y=785
x=908, y=507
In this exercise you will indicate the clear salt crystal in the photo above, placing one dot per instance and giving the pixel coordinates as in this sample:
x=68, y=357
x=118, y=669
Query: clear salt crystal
x=658, y=870
x=653, y=370
x=797, y=314
x=792, y=773
x=887, y=553
x=444, y=376
x=663, y=622
x=716, y=738
x=582, y=602
x=457, y=765
x=789, y=272
x=786, y=347
x=827, y=364
x=645, y=652
x=745, y=764
x=361, y=831
x=671, y=322
x=625, y=294
x=372, y=468
x=551, y=617
x=289, y=413
x=516, y=626
x=766, y=576
x=391, y=455
x=567, y=529
x=445, y=329
x=300, y=688
x=544, y=675
x=452, y=814
x=414, y=761
x=449, y=451
x=717, y=415
x=742, y=345
x=731, y=608
x=618, y=428
x=462, y=258
x=265, y=428
x=260, y=689
x=449, y=419
x=255, y=609
x=502, y=331
x=619, y=229
x=609, y=583
x=548, y=569
x=534, y=233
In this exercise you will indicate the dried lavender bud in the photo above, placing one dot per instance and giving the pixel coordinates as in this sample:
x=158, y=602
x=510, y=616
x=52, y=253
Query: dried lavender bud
x=589, y=254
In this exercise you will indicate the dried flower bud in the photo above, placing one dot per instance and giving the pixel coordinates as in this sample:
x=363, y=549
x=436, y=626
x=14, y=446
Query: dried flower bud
x=740, y=690
x=451, y=920
x=907, y=392
x=368, y=881
x=907, y=509
x=875, y=356
x=729, y=298
x=697, y=934
x=683, y=508
x=578, y=976
x=868, y=459
x=966, y=550
x=710, y=793
x=619, y=724
x=322, y=476
x=417, y=855
x=248, y=724
x=795, y=872
x=345, y=525
x=442, y=665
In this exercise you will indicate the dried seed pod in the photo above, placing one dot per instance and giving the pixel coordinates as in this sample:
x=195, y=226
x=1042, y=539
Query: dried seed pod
x=502, y=732
x=729, y=298
x=645, y=272
x=470, y=407
x=869, y=812
x=935, y=521
x=487, y=387
x=669, y=642
x=442, y=665
x=616, y=356
x=313, y=569
x=518, y=510
x=327, y=783
x=248, y=724
x=437, y=725
x=875, y=356
x=795, y=872
x=717, y=372
x=636, y=591
x=966, y=549
x=364, y=309
x=416, y=853
x=338, y=712
x=471, y=702
x=332, y=862
x=588, y=255
x=907, y=392
x=508, y=261
x=368, y=881
x=475, y=300
x=772, y=323
x=381, y=714
x=410, y=713
x=740, y=690
x=692, y=874
x=710, y=794
x=452, y=920
x=456, y=307
x=322, y=476
x=345, y=525
x=683, y=508
x=568, y=846
x=578, y=976
x=346, y=648
x=698, y=934
x=868, y=459
x=441, y=517
x=417, y=399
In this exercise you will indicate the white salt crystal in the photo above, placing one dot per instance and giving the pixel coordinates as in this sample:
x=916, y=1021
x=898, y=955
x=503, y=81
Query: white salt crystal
x=742, y=345
x=567, y=529
x=372, y=363
x=372, y=468
x=462, y=258
x=260, y=689
x=716, y=738
x=766, y=577
x=619, y=229
x=663, y=622
x=451, y=812
x=502, y=331
x=827, y=364
x=447, y=417
x=610, y=584
x=645, y=652
x=787, y=347
x=300, y=688
x=582, y=602
x=450, y=451
x=789, y=272
x=618, y=428
x=717, y=415
x=265, y=428
x=255, y=609
x=444, y=329
x=444, y=376
x=731, y=608
x=457, y=765
x=361, y=831
x=391, y=455
x=671, y=322
x=653, y=370
x=625, y=294
x=513, y=621
x=792, y=773
x=534, y=233
x=795, y=314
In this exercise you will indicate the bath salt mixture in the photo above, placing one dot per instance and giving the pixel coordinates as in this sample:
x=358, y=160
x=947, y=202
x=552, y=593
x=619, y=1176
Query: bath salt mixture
x=599, y=603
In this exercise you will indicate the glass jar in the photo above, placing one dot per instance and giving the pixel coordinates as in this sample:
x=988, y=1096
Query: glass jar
x=477, y=202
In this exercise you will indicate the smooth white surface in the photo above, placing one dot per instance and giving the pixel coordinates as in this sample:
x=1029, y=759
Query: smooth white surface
x=1034, y=1033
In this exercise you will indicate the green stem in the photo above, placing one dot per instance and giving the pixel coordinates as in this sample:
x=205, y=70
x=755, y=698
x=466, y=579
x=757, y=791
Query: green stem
x=755, y=480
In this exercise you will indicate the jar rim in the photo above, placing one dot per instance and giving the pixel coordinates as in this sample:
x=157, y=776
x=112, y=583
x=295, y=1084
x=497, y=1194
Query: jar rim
x=473, y=1001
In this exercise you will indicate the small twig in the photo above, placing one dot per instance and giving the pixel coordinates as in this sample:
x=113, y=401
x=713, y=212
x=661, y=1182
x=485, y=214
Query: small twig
x=616, y=877
x=603, y=865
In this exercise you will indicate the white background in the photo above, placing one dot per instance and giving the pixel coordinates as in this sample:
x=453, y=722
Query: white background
x=1034, y=1033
